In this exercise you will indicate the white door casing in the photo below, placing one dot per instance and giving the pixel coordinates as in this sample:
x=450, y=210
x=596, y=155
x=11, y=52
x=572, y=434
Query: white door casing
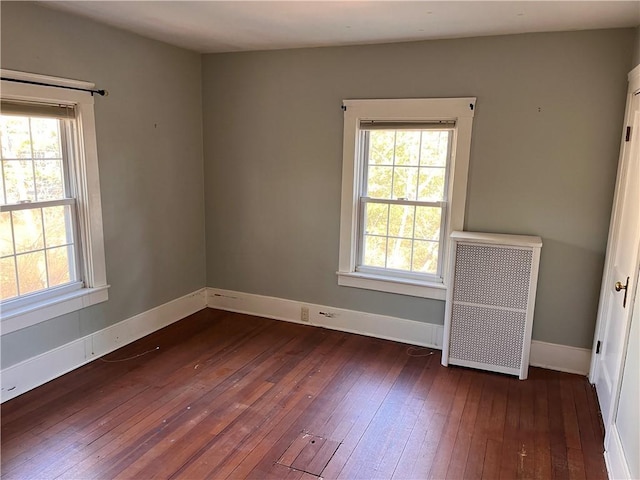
x=621, y=265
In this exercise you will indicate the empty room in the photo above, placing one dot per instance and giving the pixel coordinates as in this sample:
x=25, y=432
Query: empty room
x=320, y=239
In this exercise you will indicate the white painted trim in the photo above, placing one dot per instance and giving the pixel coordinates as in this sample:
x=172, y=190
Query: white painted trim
x=401, y=286
x=369, y=324
x=461, y=110
x=614, y=457
x=33, y=372
x=607, y=275
x=562, y=358
x=35, y=77
x=546, y=355
x=28, y=315
x=85, y=180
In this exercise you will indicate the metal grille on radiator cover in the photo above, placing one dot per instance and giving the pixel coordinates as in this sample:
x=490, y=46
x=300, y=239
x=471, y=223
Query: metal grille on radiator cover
x=490, y=296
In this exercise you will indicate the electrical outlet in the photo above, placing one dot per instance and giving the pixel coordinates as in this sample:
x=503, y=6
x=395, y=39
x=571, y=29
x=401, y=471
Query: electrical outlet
x=304, y=314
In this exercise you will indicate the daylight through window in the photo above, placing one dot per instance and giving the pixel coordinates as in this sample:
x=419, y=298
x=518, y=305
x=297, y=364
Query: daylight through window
x=404, y=182
x=37, y=222
x=403, y=198
x=51, y=239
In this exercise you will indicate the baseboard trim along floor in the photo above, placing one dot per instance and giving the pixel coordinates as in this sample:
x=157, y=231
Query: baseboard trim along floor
x=35, y=371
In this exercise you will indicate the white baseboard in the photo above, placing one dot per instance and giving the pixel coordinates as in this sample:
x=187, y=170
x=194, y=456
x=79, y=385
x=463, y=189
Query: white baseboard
x=33, y=372
x=372, y=325
x=560, y=357
x=614, y=457
x=546, y=355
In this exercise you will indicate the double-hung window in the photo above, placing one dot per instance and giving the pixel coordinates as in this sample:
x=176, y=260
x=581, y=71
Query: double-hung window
x=51, y=245
x=38, y=245
x=404, y=187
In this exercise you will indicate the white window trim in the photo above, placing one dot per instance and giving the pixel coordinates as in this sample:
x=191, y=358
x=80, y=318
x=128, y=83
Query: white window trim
x=416, y=109
x=89, y=206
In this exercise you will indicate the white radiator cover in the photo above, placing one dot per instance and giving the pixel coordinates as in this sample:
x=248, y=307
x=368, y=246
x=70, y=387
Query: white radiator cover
x=490, y=302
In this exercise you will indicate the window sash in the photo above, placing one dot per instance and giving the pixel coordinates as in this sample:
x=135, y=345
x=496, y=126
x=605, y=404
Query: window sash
x=13, y=207
x=386, y=271
x=363, y=200
x=68, y=138
x=364, y=144
x=74, y=269
x=391, y=201
x=33, y=298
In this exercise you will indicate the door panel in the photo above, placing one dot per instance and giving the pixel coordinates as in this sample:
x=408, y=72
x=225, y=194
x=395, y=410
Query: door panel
x=622, y=264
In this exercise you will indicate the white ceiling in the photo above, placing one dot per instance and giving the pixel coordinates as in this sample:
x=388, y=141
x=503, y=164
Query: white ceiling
x=231, y=26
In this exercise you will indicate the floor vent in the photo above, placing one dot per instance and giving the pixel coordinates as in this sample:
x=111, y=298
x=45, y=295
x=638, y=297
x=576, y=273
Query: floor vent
x=309, y=453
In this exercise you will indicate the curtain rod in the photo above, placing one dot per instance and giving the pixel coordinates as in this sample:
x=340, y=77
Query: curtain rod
x=99, y=92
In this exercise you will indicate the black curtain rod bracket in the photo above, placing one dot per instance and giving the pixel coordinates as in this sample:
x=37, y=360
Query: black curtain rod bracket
x=102, y=93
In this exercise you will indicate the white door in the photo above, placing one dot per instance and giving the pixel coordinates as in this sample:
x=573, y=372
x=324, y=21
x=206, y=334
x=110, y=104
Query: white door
x=621, y=266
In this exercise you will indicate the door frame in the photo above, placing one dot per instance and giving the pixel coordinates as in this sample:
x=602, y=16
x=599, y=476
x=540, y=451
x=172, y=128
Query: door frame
x=608, y=274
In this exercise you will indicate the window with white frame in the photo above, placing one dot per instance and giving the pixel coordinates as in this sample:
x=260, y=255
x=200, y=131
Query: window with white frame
x=51, y=241
x=405, y=165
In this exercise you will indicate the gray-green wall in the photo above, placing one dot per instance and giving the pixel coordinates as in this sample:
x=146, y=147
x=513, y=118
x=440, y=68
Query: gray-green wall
x=543, y=161
x=636, y=49
x=149, y=133
x=544, y=152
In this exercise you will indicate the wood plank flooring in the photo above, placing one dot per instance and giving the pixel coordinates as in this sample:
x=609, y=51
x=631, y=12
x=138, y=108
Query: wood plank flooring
x=222, y=395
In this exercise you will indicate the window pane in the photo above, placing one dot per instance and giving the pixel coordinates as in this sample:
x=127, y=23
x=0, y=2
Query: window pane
x=381, y=144
x=435, y=146
x=8, y=283
x=431, y=186
x=401, y=220
x=45, y=135
x=57, y=225
x=27, y=230
x=377, y=216
x=399, y=255
x=6, y=239
x=425, y=257
x=407, y=150
x=15, y=137
x=375, y=251
x=32, y=272
x=405, y=183
x=379, y=182
x=60, y=265
x=428, y=221
x=49, y=179
x=36, y=243
x=19, y=181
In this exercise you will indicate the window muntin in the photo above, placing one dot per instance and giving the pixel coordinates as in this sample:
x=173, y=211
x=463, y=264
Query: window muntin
x=403, y=199
x=38, y=249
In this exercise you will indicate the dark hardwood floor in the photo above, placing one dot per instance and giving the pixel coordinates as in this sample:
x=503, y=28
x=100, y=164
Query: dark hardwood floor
x=233, y=396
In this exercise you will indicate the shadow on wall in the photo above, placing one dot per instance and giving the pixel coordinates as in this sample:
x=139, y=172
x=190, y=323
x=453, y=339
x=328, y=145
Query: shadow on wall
x=571, y=294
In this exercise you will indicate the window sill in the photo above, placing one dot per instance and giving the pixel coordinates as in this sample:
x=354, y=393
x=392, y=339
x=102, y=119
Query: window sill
x=25, y=316
x=402, y=286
